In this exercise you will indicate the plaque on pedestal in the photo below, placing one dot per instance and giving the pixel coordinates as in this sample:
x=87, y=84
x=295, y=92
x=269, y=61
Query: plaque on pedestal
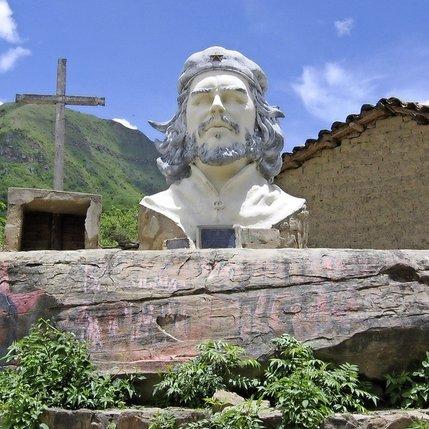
x=215, y=237
x=176, y=243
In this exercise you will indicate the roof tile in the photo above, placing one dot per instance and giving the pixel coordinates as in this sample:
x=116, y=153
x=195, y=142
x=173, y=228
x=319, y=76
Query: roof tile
x=368, y=114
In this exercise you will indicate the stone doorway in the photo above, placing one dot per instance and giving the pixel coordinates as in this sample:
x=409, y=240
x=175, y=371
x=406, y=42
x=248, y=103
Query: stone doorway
x=44, y=219
x=52, y=231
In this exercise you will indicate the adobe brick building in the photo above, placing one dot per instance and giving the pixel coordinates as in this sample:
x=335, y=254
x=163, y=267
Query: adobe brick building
x=366, y=180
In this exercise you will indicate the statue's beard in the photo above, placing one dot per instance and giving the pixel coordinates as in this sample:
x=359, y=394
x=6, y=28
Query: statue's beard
x=227, y=153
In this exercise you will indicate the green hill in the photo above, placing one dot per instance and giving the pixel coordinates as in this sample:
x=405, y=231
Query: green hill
x=101, y=156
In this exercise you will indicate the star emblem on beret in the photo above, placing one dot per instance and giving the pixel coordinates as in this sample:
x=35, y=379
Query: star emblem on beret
x=216, y=58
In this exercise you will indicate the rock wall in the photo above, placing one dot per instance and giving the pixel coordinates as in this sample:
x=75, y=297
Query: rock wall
x=140, y=419
x=143, y=310
x=387, y=419
x=380, y=174
x=58, y=418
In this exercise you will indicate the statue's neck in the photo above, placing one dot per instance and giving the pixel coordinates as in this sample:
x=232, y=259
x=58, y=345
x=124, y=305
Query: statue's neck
x=218, y=175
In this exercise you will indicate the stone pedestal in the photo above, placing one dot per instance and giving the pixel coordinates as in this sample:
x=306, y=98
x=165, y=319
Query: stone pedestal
x=44, y=219
x=143, y=310
x=157, y=232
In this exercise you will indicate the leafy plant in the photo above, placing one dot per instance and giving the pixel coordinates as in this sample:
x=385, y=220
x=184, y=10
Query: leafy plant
x=54, y=370
x=216, y=367
x=419, y=424
x=307, y=389
x=410, y=389
x=241, y=416
x=163, y=420
x=119, y=226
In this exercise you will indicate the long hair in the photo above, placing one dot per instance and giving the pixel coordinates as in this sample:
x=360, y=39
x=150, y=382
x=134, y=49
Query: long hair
x=178, y=151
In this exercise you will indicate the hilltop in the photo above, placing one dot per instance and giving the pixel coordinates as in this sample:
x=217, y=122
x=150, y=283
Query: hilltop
x=101, y=156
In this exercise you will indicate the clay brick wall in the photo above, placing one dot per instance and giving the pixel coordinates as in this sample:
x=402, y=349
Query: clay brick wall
x=371, y=191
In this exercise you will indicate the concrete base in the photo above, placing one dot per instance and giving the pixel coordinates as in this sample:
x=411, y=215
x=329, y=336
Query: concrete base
x=44, y=219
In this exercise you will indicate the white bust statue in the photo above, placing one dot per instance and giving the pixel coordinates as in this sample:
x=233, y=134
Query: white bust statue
x=221, y=150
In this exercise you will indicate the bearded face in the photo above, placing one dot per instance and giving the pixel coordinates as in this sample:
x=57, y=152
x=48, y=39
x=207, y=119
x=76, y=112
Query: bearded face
x=220, y=118
x=222, y=155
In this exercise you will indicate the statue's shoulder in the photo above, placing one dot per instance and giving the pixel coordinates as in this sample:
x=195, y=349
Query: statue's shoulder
x=283, y=196
x=163, y=199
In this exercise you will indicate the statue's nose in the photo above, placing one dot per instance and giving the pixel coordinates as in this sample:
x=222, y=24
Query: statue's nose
x=217, y=105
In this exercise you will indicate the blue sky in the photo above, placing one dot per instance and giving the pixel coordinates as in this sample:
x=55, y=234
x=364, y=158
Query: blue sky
x=324, y=59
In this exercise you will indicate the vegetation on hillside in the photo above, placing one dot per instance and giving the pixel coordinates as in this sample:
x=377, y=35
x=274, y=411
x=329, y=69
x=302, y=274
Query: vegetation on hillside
x=101, y=156
x=118, y=226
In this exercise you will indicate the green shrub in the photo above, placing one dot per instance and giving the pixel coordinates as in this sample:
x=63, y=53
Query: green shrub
x=163, y=420
x=242, y=416
x=307, y=390
x=216, y=367
x=54, y=370
x=118, y=226
x=410, y=389
x=419, y=424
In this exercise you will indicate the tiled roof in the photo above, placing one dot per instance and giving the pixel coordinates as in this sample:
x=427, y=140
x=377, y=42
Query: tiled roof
x=354, y=123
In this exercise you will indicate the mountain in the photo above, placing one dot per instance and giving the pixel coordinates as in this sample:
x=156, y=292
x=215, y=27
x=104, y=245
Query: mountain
x=101, y=156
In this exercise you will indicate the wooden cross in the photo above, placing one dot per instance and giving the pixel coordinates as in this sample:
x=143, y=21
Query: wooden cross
x=60, y=100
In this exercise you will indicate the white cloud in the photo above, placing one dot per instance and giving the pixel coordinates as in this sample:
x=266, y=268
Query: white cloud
x=425, y=102
x=332, y=92
x=9, y=58
x=125, y=123
x=1, y=102
x=8, y=29
x=344, y=27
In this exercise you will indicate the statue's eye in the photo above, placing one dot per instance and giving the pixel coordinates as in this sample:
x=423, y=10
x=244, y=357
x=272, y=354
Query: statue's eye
x=201, y=99
x=196, y=101
x=228, y=98
x=234, y=97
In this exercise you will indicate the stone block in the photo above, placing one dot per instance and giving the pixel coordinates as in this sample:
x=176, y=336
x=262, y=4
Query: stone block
x=258, y=238
x=140, y=418
x=388, y=419
x=227, y=399
x=155, y=229
x=129, y=418
x=176, y=243
x=47, y=219
x=141, y=311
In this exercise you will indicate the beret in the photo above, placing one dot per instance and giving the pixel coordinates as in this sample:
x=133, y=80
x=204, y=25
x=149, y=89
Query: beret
x=218, y=58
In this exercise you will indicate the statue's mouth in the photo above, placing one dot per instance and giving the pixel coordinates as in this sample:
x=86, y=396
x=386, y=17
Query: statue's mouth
x=218, y=123
x=220, y=126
